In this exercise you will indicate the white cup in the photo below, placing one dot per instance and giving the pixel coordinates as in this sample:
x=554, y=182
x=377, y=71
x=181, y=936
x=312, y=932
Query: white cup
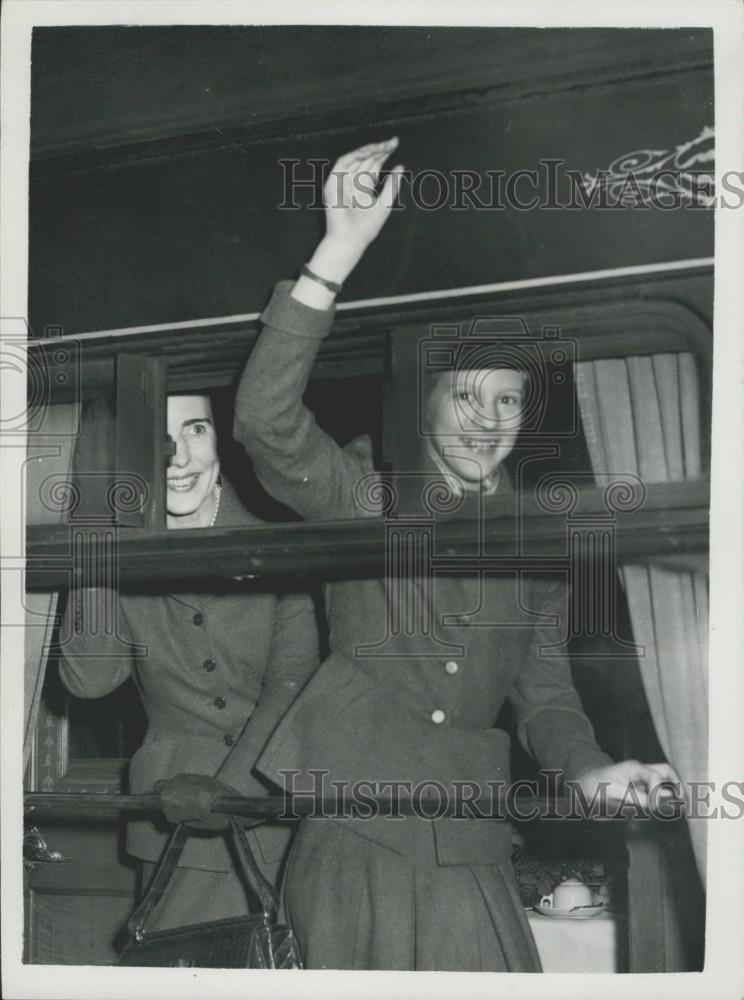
x=569, y=894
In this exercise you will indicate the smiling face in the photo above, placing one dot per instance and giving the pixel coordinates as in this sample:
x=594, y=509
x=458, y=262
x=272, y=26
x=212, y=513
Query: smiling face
x=473, y=418
x=194, y=468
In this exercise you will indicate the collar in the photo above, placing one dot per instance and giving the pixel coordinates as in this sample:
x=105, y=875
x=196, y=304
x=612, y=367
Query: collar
x=460, y=487
x=232, y=513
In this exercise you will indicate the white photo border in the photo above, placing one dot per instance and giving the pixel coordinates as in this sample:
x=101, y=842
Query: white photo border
x=724, y=968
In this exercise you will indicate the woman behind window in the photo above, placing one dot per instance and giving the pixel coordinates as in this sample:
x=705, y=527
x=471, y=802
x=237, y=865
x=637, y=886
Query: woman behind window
x=215, y=672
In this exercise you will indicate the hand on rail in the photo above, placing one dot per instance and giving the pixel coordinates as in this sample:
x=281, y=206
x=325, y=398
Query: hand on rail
x=633, y=784
x=188, y=799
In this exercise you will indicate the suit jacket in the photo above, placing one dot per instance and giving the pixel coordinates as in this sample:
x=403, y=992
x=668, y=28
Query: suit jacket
x=215, y=673
x=420, y=663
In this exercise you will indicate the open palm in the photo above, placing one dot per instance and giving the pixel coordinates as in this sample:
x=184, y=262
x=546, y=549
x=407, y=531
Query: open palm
x=355, y=210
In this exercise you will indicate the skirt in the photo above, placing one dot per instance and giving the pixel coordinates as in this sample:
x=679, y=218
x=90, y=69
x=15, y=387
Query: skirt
x=354, y=904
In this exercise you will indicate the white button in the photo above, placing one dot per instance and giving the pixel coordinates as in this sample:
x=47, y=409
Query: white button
x=451, y=667
x=437, y=716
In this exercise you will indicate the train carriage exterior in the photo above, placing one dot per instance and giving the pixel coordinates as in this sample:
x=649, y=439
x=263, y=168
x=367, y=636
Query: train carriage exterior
x=559, y=181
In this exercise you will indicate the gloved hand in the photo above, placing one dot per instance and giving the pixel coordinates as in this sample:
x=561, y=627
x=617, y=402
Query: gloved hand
x=188, y=799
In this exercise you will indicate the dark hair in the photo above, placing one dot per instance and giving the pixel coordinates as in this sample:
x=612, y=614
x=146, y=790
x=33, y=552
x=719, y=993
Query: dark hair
x=470, y=362
x=492, y=354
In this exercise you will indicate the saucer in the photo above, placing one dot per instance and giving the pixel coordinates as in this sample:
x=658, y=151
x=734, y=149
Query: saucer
x=583, y=914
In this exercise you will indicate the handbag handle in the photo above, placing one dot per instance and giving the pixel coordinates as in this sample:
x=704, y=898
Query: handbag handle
x=252, y=874
x=263, y=888
x=163, y=874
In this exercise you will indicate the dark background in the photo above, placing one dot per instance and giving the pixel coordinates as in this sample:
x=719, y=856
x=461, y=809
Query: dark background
x=155, y=181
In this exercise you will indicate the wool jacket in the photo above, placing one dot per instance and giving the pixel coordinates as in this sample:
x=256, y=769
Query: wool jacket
x=420, y=663
x=215, y=672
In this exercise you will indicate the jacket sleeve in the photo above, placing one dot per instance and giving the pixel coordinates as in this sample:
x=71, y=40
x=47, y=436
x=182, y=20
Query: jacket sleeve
x=297, y=462
x=551, y=723
x=293, y=660
x=95, y=645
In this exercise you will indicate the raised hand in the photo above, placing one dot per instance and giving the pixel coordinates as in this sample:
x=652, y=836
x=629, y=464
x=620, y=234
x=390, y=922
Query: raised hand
x=355, y=212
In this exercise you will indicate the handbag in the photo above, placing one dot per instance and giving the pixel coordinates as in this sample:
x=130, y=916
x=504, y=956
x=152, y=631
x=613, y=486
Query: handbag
x=255, y=941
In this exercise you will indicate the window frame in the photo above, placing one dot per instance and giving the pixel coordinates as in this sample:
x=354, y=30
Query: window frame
x=672, y=522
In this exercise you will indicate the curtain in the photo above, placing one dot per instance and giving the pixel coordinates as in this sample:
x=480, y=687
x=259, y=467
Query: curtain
x=49, y=453
x=641, y=415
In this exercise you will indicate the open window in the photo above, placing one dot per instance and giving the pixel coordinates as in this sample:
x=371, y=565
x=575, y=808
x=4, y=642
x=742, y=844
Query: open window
x=350, y=370
x=362, y=385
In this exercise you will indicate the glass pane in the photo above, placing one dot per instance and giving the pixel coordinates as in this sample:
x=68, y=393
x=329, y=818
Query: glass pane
x=111, y=727
x=71, y=462
x=50, y=445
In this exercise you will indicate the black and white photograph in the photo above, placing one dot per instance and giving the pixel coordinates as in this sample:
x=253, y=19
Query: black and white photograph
x=372, y=485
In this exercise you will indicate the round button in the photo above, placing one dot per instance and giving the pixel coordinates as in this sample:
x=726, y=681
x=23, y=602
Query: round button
x=463, y=620
x=209, y=666
x=437, y=716
x=228, y=740
x=219, y=701
x=198, y=618
x=451, y=667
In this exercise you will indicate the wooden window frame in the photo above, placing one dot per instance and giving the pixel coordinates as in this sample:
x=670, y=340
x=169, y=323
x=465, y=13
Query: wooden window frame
x=671, y=522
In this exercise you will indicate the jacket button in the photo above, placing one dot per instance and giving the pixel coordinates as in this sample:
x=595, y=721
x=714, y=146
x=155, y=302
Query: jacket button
x=209, y=666
x=463, y=620
x=451, y=667
x=437, y=716
x=198, y=618
x=228, y=740
x=219, y=701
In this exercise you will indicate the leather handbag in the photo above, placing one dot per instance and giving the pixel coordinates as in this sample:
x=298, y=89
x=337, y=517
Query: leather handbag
x=255, y=941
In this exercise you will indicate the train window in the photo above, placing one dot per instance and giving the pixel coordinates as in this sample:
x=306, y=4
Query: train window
x=84, y=744
x=622, y=391
x=346, y=408
x=600, y=367
x=486, y=404
x=605, y=393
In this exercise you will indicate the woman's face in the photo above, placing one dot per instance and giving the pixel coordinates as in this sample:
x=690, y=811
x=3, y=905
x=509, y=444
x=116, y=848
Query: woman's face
x=474, y=417
x=194, y=468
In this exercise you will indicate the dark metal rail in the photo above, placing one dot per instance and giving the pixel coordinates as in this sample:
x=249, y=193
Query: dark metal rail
x=523, y=807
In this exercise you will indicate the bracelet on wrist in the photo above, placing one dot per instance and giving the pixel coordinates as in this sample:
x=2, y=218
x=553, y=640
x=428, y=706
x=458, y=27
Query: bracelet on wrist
x=332, y=286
